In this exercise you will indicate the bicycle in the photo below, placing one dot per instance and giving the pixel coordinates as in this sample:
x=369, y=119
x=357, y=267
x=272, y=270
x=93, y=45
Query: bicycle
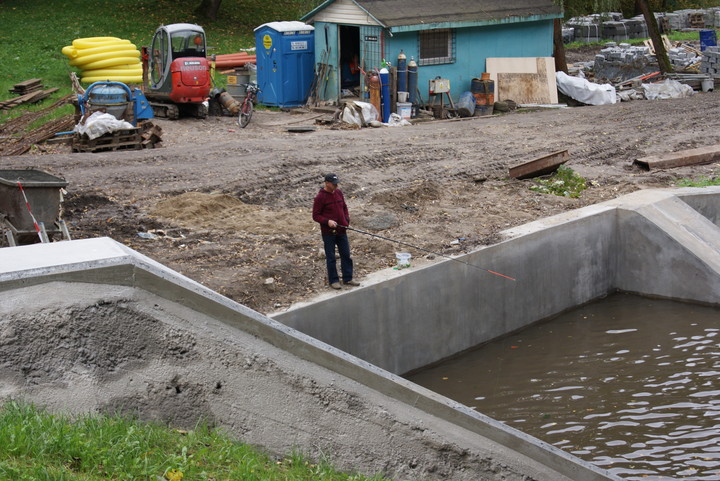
x=248, y=105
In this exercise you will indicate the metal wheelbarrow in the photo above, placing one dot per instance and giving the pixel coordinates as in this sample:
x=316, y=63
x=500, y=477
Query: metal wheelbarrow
x=30, y=206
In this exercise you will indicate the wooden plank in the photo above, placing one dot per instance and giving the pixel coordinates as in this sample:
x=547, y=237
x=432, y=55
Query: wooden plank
x=540, y=166
x=702, y=155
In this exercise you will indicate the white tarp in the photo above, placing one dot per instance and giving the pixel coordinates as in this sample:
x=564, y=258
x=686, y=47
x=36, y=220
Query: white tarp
x=585, y=91
x=359, y=113
x=100, y=123
x=669, y=89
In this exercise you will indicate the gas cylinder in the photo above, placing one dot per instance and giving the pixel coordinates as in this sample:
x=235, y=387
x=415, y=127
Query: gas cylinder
x=385, y=94
x=402, y=72
x=374, y=88
x=413, y=80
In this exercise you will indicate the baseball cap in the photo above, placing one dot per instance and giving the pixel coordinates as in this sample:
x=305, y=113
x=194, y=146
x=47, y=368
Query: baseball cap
x=332, y=178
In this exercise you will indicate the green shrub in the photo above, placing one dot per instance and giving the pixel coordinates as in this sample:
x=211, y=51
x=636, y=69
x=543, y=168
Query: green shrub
x=564, y=182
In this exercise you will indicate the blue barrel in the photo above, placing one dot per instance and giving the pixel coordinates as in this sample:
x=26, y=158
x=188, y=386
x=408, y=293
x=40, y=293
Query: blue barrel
x=708, y=38
x=402, y=72
x=385, y=92
x=413, y=81
x=483, y=89
x=466, y=104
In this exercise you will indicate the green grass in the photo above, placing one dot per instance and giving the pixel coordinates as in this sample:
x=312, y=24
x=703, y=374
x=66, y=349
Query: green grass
x=564, y=183
x=673, y=37
x=700, y=182
x=34, y=33
x=37, y=445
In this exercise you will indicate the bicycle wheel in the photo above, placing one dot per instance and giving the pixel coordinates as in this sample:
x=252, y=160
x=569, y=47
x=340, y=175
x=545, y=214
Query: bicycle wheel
x=245, y=113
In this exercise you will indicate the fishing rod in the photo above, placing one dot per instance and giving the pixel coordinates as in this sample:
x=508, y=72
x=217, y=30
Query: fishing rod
x=425, y=250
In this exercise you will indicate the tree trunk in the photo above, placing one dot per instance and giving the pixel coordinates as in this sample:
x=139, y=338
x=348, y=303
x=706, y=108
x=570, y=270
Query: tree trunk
x=208, y=9
x=654, y=32
x=559, y=47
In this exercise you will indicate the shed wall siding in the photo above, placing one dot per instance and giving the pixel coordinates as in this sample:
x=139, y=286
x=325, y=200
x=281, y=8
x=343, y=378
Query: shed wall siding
x=473, y=46
x=344, y=12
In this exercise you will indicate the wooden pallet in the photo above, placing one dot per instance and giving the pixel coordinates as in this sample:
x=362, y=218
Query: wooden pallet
x=696, y=20
x=125, y=139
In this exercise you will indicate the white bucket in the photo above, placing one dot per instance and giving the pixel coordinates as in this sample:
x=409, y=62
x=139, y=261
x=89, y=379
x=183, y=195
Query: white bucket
x=404, y=110
x=707, y=85
x=402, y=96
x=403, y=259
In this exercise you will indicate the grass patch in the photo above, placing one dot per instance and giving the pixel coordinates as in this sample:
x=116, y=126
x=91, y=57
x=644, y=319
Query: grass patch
x=34, y=33
x=564, y=182
x=700, y=182
x=39, y=445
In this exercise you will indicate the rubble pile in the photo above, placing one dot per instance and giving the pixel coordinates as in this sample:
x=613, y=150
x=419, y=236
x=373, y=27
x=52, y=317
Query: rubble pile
x=621, y=62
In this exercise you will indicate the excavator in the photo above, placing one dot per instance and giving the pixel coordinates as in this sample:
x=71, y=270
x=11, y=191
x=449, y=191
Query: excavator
x=176, y=71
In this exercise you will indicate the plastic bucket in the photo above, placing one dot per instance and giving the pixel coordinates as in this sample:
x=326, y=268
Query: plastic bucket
x=708, y=38
x=404, y=110
x=403, y=259
x=402, y=96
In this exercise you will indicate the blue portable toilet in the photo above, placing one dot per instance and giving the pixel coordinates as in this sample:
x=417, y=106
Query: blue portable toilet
x=285, y=57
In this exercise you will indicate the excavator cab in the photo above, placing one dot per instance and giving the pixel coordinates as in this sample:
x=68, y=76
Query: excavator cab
x=177, y=71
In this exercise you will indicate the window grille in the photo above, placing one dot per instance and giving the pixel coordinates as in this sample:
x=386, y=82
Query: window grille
x=436, y=46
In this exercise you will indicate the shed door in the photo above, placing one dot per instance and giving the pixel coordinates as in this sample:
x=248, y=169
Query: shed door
x=372, y=49
x=326, y=52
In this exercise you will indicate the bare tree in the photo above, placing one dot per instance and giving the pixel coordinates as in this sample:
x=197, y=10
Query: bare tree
x=208, y=9
x=559, y=47
x=654, y=32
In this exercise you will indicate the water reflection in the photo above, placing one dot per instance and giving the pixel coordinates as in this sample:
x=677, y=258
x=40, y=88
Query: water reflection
x=628, y=383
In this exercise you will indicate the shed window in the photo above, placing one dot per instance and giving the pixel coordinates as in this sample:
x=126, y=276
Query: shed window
x=436, y=46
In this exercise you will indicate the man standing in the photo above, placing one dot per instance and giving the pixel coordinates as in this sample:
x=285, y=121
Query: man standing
x=331, y=212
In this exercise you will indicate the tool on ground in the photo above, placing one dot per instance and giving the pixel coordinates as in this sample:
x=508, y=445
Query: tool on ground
x=176, y=71
x=426, y=250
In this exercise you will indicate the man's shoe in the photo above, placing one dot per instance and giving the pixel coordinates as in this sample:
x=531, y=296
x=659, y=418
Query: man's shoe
x=351, y=283
x=336, y=285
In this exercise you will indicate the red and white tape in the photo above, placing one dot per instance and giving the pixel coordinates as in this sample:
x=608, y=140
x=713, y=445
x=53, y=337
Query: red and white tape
x=27, y=204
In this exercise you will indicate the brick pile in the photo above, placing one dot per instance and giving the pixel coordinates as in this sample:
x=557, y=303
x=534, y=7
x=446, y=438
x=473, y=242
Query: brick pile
x=711, y=61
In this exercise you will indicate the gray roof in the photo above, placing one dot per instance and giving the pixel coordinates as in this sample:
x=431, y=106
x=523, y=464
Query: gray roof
x=395, y=13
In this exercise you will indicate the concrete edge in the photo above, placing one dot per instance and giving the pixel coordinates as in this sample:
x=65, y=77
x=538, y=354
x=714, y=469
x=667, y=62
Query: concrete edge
x=105, y=261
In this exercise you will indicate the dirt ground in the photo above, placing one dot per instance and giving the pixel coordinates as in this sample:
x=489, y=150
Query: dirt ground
x=231, y=208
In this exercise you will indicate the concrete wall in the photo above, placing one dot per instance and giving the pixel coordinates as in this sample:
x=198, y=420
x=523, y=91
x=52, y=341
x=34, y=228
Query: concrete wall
x=650, y=242
x=91, y=326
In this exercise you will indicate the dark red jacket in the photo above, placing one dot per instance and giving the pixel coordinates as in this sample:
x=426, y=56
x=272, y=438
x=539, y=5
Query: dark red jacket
x=329, y=206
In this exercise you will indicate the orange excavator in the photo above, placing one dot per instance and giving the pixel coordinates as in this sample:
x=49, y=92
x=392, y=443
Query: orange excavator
x=176, y=71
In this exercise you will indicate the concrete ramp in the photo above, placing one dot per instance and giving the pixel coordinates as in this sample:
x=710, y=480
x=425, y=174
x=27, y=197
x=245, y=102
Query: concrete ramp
x=92, y=326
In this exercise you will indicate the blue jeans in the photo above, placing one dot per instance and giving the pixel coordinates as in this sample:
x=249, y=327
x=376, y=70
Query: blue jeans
x=346, y=263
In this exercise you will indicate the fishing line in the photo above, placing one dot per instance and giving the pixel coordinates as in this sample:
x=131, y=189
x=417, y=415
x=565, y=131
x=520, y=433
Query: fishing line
x=426, y=250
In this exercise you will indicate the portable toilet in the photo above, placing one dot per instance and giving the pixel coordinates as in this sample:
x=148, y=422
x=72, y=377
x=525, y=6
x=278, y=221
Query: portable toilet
x=285, y=53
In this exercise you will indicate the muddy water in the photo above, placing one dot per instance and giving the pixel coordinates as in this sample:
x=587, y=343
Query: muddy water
x=628, y=383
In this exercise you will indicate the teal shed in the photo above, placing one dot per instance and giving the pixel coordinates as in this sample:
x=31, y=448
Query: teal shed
x=449, y=39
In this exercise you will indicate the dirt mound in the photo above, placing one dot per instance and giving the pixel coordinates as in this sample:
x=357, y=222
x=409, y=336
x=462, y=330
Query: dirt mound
x=222, y=211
